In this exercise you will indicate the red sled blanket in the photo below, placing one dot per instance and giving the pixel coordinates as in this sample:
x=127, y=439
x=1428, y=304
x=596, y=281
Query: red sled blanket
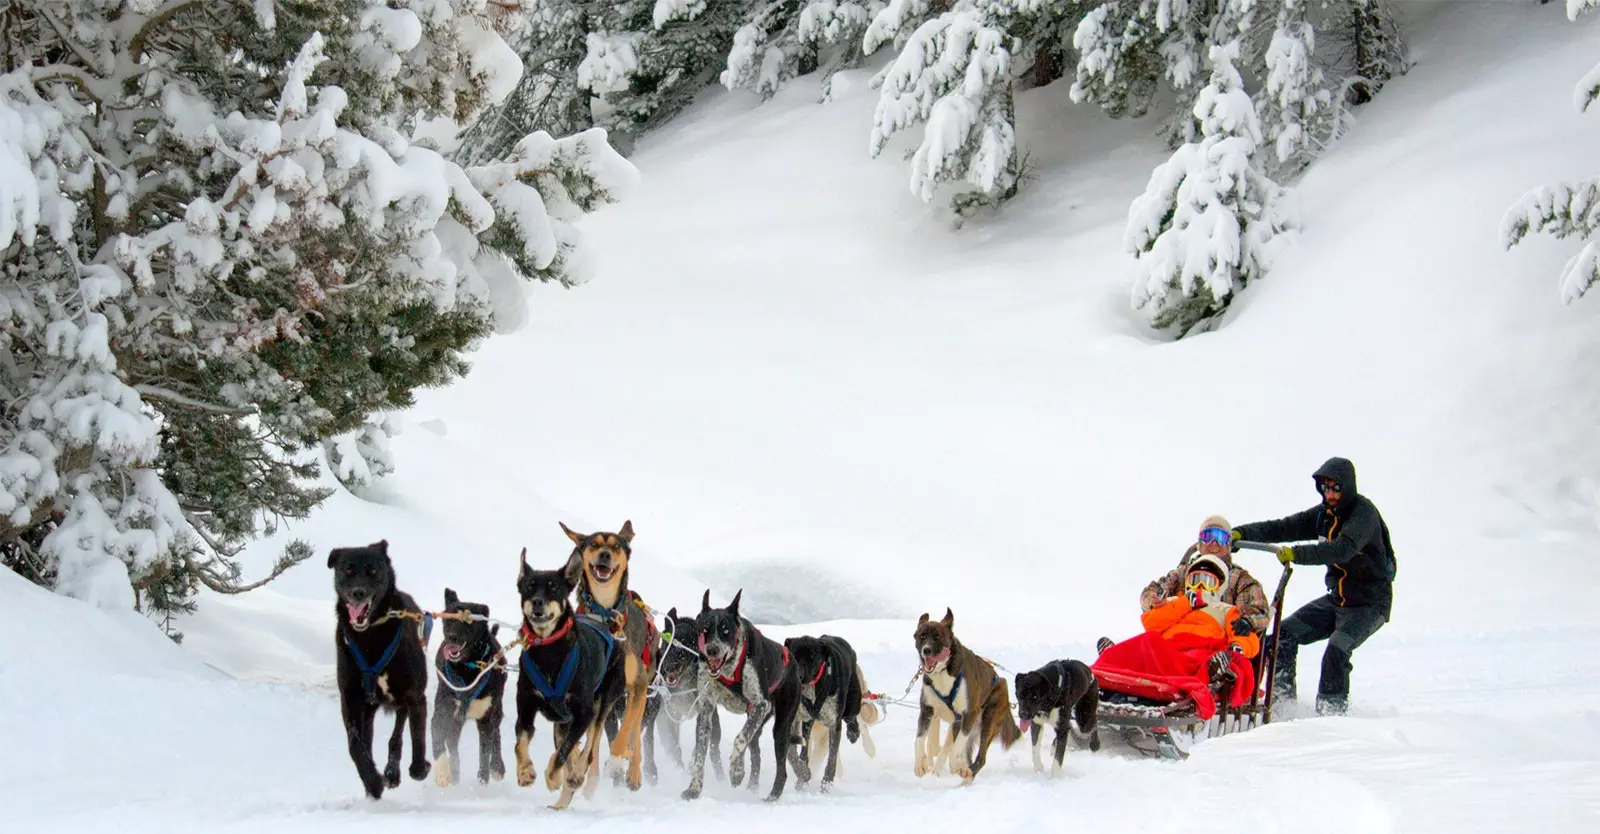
x=1163, y=669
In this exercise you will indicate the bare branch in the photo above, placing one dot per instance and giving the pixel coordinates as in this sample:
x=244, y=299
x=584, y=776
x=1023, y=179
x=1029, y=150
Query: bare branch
x=66, y=40
x=156, y=21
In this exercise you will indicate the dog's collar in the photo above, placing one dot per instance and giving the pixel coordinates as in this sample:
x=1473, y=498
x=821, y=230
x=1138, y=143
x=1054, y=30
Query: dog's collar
x=738, y=666
x=531, y=639
x=821, y=670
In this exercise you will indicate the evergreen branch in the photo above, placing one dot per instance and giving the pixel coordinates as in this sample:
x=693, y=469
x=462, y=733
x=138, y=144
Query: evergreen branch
x=157, y=392
x=88, y=60
x=157, y=20
x=297, y=551
x=67, y=72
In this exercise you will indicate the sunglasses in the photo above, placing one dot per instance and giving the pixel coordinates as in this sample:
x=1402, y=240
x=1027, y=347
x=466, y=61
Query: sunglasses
x=1329, y=486
x=1216, y=535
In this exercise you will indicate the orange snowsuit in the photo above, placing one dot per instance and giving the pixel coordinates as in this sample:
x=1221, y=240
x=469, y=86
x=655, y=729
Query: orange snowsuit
x=1177, y=619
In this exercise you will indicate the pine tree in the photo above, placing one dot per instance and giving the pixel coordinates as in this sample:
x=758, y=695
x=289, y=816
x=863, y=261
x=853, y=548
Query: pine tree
x=221, y=249
x=1206, y=223
x=1367, y=40
x=954, y=77
x=1297, y=107
x=785, y=39
x=1566, y=210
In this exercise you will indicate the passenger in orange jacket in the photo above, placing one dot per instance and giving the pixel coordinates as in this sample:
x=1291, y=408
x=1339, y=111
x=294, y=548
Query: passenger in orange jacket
x=1193, y=642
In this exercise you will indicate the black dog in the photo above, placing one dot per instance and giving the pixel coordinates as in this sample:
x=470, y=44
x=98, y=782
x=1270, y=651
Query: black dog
x=472, y=687
x=673, y=700
x=572, y=674
x=831, y=689
x=381, y=661
x=1059, y=691
x=747, y=673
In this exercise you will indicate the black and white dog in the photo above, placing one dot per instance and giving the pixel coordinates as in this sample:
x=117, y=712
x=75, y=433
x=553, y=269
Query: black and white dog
x=572, y=674
x=831, y=692
x=472, y=687
x=1053, y=694
x=381, y=661
x=746, y=673
x=673, y=699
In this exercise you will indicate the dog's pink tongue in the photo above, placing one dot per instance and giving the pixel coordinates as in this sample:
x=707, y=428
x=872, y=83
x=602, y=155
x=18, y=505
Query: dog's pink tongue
x=358, y=611
x=452, y=652
x=1025, y=726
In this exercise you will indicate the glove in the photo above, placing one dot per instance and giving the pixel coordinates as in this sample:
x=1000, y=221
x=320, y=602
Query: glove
x=1236, y=536
x=1241, y=627
x=1286, y=554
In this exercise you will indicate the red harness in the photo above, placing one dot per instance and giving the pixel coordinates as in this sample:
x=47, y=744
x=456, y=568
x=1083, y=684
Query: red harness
x=738, y=666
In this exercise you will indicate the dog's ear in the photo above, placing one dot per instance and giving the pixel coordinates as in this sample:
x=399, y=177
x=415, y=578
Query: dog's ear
x=523, y=569
x=450, y=598
x=949, y=620
x=733, y=607
x=494, y=629
x=923, y=620
x=705, y=602
x=333, y=556
x=672, y=613
x=577, y=538
x=626, y=533
x=573, y=571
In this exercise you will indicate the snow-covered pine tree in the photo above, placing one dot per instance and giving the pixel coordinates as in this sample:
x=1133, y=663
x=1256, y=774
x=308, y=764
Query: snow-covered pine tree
x=553, y=41
x=1368, y=42
x=1565, y=210
x=785, y=39
x=215, y=257
x=1296, y=107
x=1125, y=48
x=1205, y=225
x=649, y=58
x=954, y=77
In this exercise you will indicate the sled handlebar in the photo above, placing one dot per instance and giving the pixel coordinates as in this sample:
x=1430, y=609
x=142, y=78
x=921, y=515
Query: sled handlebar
x=1244, y=545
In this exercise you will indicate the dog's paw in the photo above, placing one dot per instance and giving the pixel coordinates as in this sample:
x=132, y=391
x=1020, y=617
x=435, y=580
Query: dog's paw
x=923, y=767
x=852, y=732
x=736, y=772
x=373, y=786
x=419, y=770
x=391, y=775
x=691, y=793
x=553, y=776
x=963, y=771
x=525, y=774
x=441, y=772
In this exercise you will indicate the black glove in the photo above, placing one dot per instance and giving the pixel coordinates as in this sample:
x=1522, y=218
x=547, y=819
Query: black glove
x=1241, y=627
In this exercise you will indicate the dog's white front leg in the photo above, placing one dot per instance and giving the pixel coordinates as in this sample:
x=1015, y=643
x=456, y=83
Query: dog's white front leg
x=1038, y=737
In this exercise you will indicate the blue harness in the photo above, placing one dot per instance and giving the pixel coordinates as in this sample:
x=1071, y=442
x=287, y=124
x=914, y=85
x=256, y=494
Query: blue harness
x=555, y=692
x=458, y=686
x=949, y=700
x=370, y=672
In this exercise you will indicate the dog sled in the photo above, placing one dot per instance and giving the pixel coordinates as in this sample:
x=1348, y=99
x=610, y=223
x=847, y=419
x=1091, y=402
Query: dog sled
x=1159, y=719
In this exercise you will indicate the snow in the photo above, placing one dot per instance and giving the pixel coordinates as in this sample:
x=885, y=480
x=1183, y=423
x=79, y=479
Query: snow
x=794, y=378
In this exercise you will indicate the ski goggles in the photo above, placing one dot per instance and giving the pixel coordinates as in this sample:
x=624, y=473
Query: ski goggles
x=1216, y=535
x=1202, y=581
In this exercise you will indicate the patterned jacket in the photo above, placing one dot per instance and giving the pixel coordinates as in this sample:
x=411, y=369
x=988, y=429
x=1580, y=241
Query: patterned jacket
x=1241, y=589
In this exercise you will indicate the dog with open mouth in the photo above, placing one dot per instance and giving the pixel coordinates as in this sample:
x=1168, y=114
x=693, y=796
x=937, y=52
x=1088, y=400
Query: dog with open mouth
x=381, y=661
x=571, y=674
x=832, y=697
x=1056, y=694
x=472, y=687
x=601, y=561
x=963, y=690
x=750, y=674
x=674, y=701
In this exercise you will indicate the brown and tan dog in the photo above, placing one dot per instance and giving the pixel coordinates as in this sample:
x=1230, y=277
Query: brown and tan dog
x=963, y=690
x=603, y=593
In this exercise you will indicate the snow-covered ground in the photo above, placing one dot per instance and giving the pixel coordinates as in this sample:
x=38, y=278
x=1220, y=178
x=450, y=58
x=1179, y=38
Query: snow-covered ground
x=795, y=379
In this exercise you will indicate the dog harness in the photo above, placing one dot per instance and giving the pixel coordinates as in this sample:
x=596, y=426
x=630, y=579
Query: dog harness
x=738, y=667
x=814, y=705
x=617, y=619
x=949, y=700
x=461, y=687
x=556, y=692
x=371, y=671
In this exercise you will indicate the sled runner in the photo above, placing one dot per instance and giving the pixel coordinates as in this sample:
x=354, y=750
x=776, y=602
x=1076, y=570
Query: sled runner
x=1160, y=717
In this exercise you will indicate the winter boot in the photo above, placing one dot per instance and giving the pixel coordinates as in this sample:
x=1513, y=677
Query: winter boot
x=1332, y=704
x=1102, y=644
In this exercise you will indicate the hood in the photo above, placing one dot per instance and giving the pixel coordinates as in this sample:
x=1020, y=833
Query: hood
x=1341, y=470
x=1218, y=566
